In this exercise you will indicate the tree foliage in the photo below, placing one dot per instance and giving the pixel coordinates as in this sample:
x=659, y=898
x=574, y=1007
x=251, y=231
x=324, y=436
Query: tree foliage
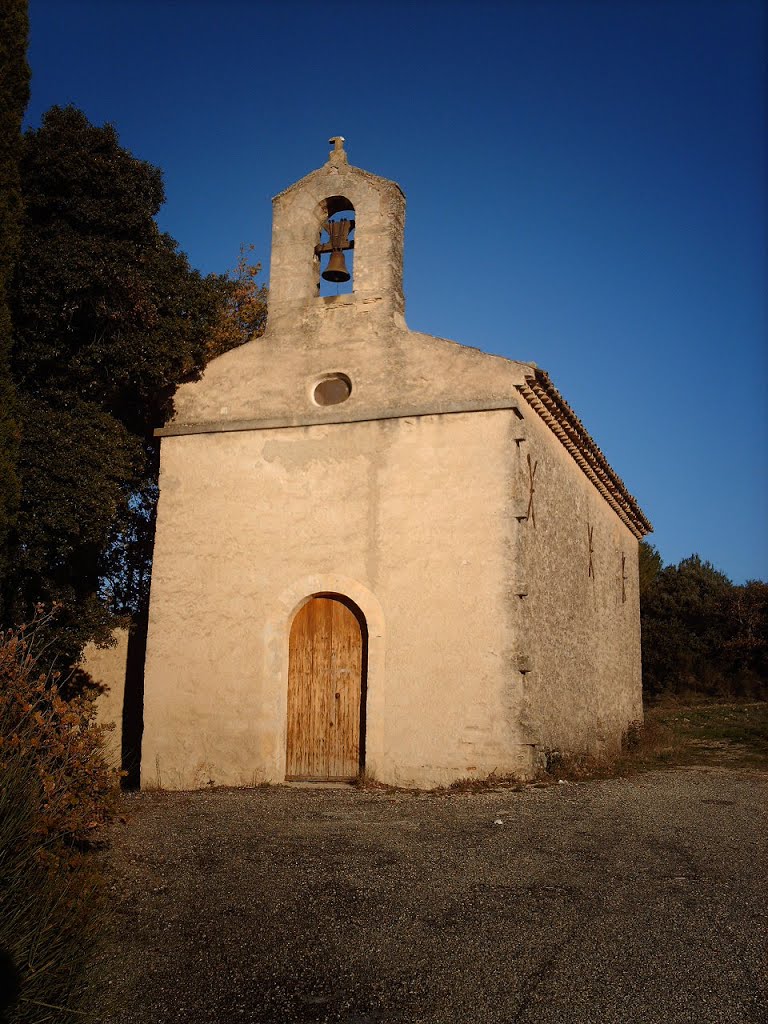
x=108, y=319
x=127, y=561
x=651, y=564
x=701, y=633
x=244, y=314
x=14, y=95
x=105, y=306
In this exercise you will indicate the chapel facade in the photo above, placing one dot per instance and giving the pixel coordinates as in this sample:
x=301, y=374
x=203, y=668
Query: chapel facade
x=378, y=550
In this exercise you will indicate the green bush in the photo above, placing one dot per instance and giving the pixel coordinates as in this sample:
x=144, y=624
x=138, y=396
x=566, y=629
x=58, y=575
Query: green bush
x=56, y=790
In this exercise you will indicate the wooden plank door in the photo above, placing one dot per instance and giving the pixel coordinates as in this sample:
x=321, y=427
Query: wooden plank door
x=325, y=667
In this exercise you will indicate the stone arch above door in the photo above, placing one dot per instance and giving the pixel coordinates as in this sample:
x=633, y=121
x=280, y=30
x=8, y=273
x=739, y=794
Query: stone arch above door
x=293, y=597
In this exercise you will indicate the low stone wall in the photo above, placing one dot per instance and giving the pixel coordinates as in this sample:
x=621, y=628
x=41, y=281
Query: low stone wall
x=107, y=668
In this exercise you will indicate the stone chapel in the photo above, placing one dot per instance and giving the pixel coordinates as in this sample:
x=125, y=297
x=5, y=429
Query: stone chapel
x=378, y=550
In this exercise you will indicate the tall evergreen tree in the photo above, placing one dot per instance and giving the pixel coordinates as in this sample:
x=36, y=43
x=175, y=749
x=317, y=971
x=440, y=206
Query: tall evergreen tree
x=14, y=95
x=108, y=320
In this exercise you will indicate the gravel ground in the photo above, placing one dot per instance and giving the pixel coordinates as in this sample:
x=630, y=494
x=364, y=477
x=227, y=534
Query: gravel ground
x=637, y=899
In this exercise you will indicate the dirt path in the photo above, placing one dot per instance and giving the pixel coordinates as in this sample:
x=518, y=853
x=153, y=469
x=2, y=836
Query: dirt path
x=626, y=900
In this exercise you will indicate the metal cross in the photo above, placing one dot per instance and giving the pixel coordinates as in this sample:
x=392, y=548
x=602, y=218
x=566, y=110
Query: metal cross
x=530, y=513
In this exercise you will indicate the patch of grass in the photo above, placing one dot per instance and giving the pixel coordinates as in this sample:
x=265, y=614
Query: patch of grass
x=674, y=734
x=715, y=733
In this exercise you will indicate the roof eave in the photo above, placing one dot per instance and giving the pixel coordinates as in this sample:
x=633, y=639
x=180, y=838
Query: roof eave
x=544, y=398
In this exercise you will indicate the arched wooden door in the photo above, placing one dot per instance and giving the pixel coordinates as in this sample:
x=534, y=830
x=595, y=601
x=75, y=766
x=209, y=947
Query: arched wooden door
x=325, y=692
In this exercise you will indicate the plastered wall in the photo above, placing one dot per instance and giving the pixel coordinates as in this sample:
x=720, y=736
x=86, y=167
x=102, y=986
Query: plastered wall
x=391, y=368
x=408, y=517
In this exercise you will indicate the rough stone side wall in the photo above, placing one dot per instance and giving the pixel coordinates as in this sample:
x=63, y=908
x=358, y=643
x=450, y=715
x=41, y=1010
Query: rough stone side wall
x=410, y=518
x=580, y=643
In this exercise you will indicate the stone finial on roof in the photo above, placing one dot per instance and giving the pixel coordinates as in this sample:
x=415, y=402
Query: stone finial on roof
x=337, y=155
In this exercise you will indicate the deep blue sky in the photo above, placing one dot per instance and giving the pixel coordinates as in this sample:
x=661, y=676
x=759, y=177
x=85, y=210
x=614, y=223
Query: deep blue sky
x=586, y=188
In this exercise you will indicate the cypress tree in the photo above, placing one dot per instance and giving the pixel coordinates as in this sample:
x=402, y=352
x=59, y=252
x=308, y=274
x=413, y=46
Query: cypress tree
x=14, y=95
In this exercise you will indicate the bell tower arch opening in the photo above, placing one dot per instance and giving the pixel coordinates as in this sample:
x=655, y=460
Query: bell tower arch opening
x=319, y=253
x=334, y=251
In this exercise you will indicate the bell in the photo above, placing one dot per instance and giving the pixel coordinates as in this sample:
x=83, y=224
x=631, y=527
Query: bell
x=336, y=270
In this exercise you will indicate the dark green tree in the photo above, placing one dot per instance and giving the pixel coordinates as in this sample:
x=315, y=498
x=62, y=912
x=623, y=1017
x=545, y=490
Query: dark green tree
x=701, y=634
x=108, y=320
x=747, y=646
x=14, y=95
x=651, y=564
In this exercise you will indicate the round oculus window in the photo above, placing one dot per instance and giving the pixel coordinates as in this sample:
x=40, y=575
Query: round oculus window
x=333, y=389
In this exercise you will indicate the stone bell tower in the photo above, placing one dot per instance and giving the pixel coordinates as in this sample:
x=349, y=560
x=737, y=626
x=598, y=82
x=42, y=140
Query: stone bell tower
x=300, y=239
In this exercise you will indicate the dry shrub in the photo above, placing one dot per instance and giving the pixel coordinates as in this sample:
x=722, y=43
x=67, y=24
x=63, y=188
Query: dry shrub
x=56, y=789
x=473, y=784
x=649, y=741
x=368, y=783
x=648, y=744
x=573, y=766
